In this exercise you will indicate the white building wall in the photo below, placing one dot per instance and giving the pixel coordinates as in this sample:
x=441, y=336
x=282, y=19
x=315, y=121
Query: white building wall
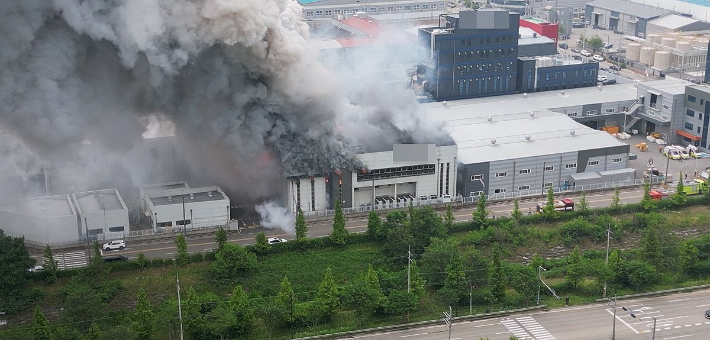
x=204, y=214
x=44, y=230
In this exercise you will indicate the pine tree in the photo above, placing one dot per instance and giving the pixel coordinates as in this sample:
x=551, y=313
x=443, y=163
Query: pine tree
x=496, y=277
x=416, y=281
x=50, y=265
x=143, y=317
x=192, y=312
x=339, y=234
x=549, y=209
x=583, y=205
x=181, y=256
x=373, y=289
x=517, y=214
x=220, y=238
x=480, y=215
x=455, y=283
x=449, y=218
x=240, y=307
x=574, y=268
x=328, y=293
x=374, y=225
x=651, y=246
x=94, y=332
x=40, y=329
x=689, y=255
x=615, y=199
x=301, y=227
x=679, y=198
x=97, y=260
x=287, y=300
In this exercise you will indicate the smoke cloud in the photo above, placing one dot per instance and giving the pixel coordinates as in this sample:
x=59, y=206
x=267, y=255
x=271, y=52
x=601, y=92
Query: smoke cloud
x=274, y=216
x=81, y=82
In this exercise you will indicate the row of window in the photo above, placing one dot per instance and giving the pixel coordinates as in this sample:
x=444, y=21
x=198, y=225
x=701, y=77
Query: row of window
x=556, y=75
x=592, y=112
x=547, y=168
x=484, y=68
x=482, y=85
x=483, y=54
x=692, y=99
x=488, y=40
x=400, y=8
x=403, y=171
x=691, y=113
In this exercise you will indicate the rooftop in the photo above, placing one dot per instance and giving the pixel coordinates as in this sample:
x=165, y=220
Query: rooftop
x=190, y=195
x=42, y=207
x=632, y=8
x=98, y=201
x=673, y=21
x=669, y=85
x=527, y=36
x=354, y=3
x=165, y=186
x=535, y=20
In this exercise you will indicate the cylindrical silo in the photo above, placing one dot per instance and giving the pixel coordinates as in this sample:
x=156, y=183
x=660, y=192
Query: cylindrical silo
x=662, y=60
x=646, y=56
x=670, y=42
x=654, y=38
x=700, y=42
x=683, y=45
x=633, y=50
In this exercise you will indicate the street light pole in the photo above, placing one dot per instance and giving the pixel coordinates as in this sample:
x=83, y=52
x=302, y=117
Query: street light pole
x=654, y=328
x=608, y=236
x=539, y=279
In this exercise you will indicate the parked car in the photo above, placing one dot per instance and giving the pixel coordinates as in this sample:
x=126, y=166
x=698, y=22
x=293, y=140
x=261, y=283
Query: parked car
x=601, y=78
x=614, y=68
x=585, y=53
x=603, y=69
x=113, y=245
x=275, y=240
x=608, y=46
x=597, y=57
x=609, y=82
x=575, y=50
x=707, y=314
x=577, y=25
x=563, y=46
x=115, y=258
x=36, y=269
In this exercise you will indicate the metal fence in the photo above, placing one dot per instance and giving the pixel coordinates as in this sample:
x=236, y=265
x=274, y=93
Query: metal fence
x=494, y=197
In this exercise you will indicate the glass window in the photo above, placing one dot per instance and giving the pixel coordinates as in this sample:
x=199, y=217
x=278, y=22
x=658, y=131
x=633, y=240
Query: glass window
x=408, y=8
x=524, y=171
x=689, y=126
x=592, y=163
x=399, y=8
x=690, y=113
x=416, y=7
x=616, y=160
x=425, y=6
x=476, y=177
x=691, y=99
x=571, y=165
x=549, y=168
x=328, y=12
x=319, y=13
x=501, y=174
x=500, y=191
x=523, y=187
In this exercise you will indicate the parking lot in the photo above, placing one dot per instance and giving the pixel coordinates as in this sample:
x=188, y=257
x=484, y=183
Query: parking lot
x=660, y=162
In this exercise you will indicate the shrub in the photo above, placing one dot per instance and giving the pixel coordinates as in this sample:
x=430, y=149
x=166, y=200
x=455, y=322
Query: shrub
x=196, y=257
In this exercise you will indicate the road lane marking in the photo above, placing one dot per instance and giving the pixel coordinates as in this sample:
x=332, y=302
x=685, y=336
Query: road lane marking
x=678, y=300
x=676, y=337
x=622, y=320
x=410, y=335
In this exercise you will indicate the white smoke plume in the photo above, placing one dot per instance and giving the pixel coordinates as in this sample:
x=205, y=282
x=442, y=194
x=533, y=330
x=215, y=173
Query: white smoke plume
x=274, y=216
x=249, y=101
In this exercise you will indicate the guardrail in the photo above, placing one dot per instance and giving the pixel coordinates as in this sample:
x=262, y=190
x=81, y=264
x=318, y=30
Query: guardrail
x=492, y=197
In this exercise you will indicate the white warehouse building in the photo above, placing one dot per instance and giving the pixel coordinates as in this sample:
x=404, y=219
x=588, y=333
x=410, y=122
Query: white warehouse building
x=176, y=204
x=102, y=213
x=42, y=220
x=408, y=172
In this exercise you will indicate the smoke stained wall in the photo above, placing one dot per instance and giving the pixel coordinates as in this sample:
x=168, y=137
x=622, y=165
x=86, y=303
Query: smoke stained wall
x=249, y=101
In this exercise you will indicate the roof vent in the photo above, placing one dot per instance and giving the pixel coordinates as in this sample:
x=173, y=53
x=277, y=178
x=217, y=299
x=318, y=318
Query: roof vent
x=534, y=35
x=170, y=198
x=599, y=87
x=192, y=196
x=209, y=193
x=563, y=93
x=532, y=114
x=571, y=132
x=527, y=138
x=493, y=141
x=525, y=95
x=443, y=103
x=490, y=119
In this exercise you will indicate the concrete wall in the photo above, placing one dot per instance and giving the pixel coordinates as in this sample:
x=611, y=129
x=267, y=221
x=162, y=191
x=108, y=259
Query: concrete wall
x=567, y=76
x=701, y=114
x=46, y=230
x=98, y=222
x=204, y=214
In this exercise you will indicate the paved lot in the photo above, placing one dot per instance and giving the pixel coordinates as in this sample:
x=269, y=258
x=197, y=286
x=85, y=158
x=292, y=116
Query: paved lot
x=660, y=161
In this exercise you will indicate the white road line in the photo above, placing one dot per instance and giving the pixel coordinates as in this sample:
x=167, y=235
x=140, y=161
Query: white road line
x=676, y=337
x=410, y=335
x=679, y=300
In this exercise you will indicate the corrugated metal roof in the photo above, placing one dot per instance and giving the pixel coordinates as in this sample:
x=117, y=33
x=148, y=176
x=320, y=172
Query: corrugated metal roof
x=629, y=8
x=42, y=207
x=673, y=21
x=98, y=201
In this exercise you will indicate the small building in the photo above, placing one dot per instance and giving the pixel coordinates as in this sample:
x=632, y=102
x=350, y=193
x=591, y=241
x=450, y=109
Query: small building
x=102, y=213
x=555, y=73
x=622, y=16
x=533, y=44
x=318, y=13
x=541, y=27
x=696, y=124
x=42, y=221
x=675, y=23
x=177, y=205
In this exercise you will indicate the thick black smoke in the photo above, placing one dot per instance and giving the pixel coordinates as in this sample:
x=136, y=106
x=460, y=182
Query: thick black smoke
x=248, y=100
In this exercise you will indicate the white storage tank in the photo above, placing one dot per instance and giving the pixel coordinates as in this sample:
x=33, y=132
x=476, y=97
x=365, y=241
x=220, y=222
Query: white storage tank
x=654, y=38
x=670, y=42
x=662, y=60
x=683, y=45
x=700, y=42
x=633, y=50
x=647, y=54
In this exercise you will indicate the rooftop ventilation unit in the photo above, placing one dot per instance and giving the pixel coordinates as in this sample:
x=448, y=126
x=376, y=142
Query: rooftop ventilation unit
x=532, y=114
x=571, y=132
x=170, y=198
x=527, y=138
x=490, y=119
x=192, y=196
x=493, y=141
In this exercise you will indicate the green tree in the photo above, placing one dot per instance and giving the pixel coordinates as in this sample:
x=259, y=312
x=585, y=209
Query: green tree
x=689, y=255
x=374, y=225
x=516, y=210
x=240, y=307
x=615, y=199
x=679, y=198
x=496, y=276
x=339, y=234
x=181, y=256
x=549, y=209
x=220, y=238
x=651, y=246
x=232, y=261
x=143, y=317
x=525, y=282
x=641, y=274
x=614, y=269
x=40, y=328
x=398, y=234
x=416, y=282
x=449, y=218
x=96, y=263
x=328, y=293
x=439, y=254
x=480, y=215
x=193, y=320
x=366, y=295
x=286, y=300
x=706, y=194
x=261, y=245
x=50, y=265
x=583, y=205
x=94, y=332
x=575, y=268
x=455, y=283
x=647, y=202
x=301, y=227
x=141, y=261
x=424, y=225
x=595, y=42
x=82, y=303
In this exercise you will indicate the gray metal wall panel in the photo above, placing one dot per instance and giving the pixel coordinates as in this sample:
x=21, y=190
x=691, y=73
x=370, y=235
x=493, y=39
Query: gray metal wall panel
x=474, y=169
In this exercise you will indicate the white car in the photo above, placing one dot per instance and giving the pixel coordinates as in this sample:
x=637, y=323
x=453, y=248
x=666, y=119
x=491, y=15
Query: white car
x=601, y=78
x=585, y=53
x=36, y=269
x=597, y=57
x=275, y=240
x=113, y=245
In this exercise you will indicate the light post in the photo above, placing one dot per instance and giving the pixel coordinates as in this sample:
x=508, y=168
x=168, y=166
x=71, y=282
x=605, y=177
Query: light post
x=631, y=313
x=539, y=278
x=608, y=236
x=654, y=328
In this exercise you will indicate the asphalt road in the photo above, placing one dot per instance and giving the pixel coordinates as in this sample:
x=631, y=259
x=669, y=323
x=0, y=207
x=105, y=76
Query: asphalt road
x=166, y=248
x=678, y=316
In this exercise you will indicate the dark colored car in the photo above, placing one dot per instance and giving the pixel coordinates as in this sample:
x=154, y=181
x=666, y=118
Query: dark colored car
x=575, y=50
x=578, y=24
x=563, y=46
x=609, y=82
x=614, y=68
x=707, y=314
x=115, y=258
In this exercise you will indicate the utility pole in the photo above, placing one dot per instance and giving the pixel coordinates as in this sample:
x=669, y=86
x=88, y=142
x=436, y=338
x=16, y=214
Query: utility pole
x=88, y=249
x=448, y=320
x=409, y=266
x=539, y=279
x=183, y=215
x=177, y=279
x=608, y=236
x=654, y=328
x=631, y=313
x=470, y=300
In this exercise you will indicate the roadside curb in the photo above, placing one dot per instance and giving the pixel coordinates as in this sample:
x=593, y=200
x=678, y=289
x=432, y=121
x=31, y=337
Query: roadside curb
x=659, y=293
x=423, y=323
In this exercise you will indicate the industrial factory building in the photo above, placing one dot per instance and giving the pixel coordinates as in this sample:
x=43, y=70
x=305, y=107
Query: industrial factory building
x=412, y=172
x=66, y=218
x=177, y=205
x=622, y=16
x=320, y=12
